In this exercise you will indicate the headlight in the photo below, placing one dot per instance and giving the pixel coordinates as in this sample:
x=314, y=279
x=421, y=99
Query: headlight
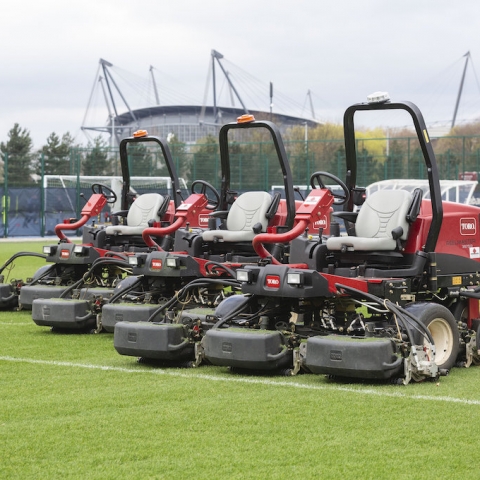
x=78, y=249
x=48, y=250
x=295, y=278
x=244, y=276
x=133, y=261
x=173, y=262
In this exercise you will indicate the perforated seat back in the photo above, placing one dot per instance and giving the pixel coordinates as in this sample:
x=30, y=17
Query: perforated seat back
x=382, y=212
x=249, y=209
x=144, y=208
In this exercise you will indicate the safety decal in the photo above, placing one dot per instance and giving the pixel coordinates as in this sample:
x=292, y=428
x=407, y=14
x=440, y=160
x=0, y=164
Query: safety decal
x=474, y=252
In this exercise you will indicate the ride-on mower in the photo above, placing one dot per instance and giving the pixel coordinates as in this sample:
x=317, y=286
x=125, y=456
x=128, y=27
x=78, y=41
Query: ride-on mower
x=396, y=298
x=144, y=201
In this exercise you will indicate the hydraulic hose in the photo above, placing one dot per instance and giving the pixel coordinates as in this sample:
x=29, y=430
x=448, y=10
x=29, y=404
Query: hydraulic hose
x=21, y=254
x=118, y=295
x=199, y=282
x=43, y=275
x=399, y=311
x=98, y=262
x=233, y=313
x=221, y=266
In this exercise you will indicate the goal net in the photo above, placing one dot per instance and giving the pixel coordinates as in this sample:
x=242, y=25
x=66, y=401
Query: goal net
x=62, y=193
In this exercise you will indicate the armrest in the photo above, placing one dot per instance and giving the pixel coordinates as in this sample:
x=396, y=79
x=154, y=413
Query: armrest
x=348, y=216
x=219, y=214
x=272, y=209
x=121, y=213
x=116, y=216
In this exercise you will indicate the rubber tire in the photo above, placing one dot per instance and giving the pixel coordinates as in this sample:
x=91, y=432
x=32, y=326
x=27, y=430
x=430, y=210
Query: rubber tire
x=460, y=310
x=442, y=325
x=477, y=343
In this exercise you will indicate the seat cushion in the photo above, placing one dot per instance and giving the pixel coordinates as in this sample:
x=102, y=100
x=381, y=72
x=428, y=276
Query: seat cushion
x=228, y=236
x=361, y=243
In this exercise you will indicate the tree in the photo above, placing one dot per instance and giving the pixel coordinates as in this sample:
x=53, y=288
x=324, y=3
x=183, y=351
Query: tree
x=17, y=153
x=143, y=160
x=96, y=161
x=369, y=168
x=373, y=140
x=56, y=155
x=208, y=144
x=324, y=150
x=459, y=151
x=206, y=161
x=180, y=156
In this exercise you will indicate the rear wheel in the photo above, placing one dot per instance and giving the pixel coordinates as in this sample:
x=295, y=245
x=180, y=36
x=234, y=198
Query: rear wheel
x=478, y=338
x=460, y=311
x=443, y=327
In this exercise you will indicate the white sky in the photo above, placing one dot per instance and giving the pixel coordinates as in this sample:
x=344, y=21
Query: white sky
x=341, y=51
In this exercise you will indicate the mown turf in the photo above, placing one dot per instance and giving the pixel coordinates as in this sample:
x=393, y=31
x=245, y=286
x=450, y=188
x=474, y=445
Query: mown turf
x=71, y=407
x=24, y=266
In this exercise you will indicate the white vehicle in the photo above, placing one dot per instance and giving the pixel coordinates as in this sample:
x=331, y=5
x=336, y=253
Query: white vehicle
x=459, y=191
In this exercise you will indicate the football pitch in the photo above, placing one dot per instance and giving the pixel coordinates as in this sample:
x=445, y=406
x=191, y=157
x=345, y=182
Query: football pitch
x=71, y=407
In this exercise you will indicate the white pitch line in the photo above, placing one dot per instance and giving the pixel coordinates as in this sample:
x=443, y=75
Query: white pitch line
x=14, y=324
x=257, y=381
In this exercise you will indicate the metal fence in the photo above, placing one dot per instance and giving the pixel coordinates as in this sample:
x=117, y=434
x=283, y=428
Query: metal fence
x=28, y=208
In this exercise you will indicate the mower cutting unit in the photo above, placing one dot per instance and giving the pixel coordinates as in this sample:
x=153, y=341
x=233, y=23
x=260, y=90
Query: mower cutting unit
x=141, y=204
x=397, y=298
x=257, y=228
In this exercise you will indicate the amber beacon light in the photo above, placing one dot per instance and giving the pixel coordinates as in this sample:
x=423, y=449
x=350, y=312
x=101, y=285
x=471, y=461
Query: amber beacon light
x=247, y=118
x=140, y=133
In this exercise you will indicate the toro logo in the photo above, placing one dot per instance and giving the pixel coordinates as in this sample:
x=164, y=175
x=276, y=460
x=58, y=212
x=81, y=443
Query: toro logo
x=272, y=281
x=468, y=226
x=203, y=220
x=65, y=254
x=313, y=200
x=321, y=223
x=156, y=264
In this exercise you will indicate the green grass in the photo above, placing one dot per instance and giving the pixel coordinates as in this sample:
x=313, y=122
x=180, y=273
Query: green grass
x=25, y=266
x=71, y=407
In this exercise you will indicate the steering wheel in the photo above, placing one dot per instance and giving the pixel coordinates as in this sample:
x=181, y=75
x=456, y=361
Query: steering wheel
x=213, y=198
x=339, y=199
x=107, y=192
